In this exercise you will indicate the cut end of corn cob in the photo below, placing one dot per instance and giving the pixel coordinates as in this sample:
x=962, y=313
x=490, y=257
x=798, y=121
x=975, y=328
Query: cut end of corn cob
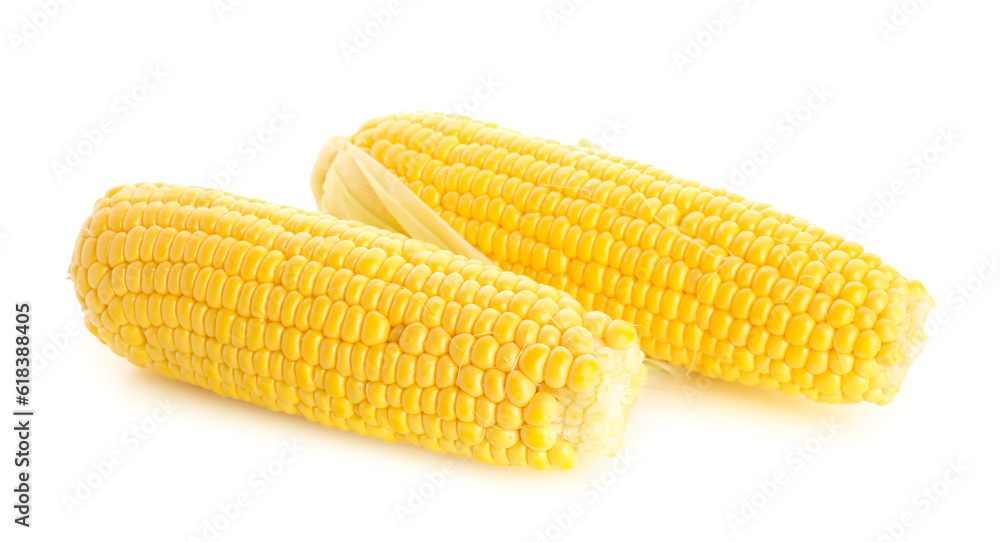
x=713, y=282
x=594, y=423
x=915, y=305
x=353, y=327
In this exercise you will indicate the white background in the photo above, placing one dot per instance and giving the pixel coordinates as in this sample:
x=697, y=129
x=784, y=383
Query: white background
x=697, y=451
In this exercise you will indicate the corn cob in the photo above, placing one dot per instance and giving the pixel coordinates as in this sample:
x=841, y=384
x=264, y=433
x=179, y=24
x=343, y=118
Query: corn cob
x=353, y=327
x=715, y=283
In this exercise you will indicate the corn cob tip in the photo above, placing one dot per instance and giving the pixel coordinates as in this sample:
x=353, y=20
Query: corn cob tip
x=594, y=422
x=895, y=360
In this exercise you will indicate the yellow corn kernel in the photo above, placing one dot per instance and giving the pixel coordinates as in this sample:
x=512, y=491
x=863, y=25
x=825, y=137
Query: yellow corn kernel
x=520, y=388
x=509, y=416
x=619, y=334
x=584, y=374
x=542, y=410
x=539, y=438
x=502, y=438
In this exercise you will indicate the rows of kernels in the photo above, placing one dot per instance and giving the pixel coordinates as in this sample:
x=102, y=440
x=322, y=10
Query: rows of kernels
x=729, y=287
x=341, y=323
